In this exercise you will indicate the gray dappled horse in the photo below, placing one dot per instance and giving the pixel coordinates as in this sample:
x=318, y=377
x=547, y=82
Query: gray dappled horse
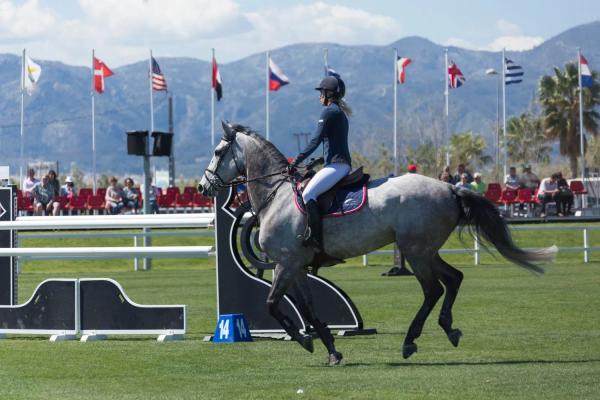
x=416, y=212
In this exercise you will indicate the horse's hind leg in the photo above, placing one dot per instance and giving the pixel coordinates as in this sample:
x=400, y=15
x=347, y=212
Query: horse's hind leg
x=282, y=279
x=451, y=278
x=305, y=304
x=432, y=290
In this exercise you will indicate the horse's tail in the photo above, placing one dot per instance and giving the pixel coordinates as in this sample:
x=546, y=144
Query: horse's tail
x=480, y=215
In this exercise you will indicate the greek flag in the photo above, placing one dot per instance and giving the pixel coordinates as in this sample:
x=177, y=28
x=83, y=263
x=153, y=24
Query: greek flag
x=513, y=72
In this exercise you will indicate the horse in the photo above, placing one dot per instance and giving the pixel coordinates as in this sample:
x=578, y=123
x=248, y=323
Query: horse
x=415, y=212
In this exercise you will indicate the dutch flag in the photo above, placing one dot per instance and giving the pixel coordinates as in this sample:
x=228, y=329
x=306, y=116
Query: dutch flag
x=586, y=74
x=277, y=78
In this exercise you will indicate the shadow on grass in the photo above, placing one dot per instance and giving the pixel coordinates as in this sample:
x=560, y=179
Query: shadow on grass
x=473, y=363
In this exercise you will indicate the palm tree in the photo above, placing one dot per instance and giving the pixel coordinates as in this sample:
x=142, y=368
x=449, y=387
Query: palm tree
x=559, y=98
x=526, y=140
x=467, y=148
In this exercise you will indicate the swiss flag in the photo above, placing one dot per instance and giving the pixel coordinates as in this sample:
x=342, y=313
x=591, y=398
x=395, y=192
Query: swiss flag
x=101, y=71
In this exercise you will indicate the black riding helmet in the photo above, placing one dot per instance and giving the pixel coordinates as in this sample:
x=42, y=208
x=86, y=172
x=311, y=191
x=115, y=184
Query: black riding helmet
x=333, y=87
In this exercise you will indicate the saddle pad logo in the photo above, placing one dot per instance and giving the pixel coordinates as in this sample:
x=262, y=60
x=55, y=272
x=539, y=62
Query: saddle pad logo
x=347, y=201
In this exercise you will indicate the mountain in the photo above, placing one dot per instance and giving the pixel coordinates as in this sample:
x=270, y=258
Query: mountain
x=58, y=115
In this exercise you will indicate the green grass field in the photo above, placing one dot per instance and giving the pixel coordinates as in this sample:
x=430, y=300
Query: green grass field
x=525, y=337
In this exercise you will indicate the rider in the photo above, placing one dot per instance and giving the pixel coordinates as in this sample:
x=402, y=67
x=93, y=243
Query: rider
x=332, y=131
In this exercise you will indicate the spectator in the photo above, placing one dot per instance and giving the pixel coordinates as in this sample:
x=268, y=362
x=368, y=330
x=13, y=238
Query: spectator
x=464, y=182
x=43, y=195
x=68, y=189
x=528, y=179
x=113, y=197
x=548, y=191
x=565, y=195
x=477, y=185
x=460, y=170
x=29, y=183
x=131, y=196
x=53, y=181
x=445, y=177
x=511, y=181
x=152, y=198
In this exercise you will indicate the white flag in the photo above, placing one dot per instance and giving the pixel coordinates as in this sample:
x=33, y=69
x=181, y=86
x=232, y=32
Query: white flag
x=32, y=75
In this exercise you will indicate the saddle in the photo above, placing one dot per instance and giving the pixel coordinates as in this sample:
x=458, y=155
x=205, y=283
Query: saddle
x=354, y=179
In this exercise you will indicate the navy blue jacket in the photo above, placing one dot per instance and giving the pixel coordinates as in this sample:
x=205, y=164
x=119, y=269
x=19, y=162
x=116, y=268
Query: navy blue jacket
x=332, y=131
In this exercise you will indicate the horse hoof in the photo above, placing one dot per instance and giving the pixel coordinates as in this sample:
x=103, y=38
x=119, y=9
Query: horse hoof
x=335, y=358
x=408, y=350
x=454, y=337
x=307, y=342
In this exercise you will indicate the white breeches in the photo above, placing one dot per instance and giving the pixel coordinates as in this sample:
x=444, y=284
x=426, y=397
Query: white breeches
x=324, y=180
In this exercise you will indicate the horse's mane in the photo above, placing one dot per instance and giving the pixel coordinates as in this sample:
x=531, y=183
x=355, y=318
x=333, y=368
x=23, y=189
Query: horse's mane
x=269, y=148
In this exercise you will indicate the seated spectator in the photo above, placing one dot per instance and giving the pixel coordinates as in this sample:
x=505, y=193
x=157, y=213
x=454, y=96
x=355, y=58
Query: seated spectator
x=547, y=193
x=565, y=195
x=462, y=170
x=43, y=197
x=477, y=185
x=511, y=181
x=446, y=177
x=29, y=183
x=68, y=189
x=131, y=196
x=53, y=181
x=464, y=182
x=152, y=198
x=113, y=198
x=528, y=179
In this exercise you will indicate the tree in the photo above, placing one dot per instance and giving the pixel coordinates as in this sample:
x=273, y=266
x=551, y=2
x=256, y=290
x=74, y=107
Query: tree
x=467, y=148
x=382, y=166
x=526, y=141
x=559, y=97
x=426, y=156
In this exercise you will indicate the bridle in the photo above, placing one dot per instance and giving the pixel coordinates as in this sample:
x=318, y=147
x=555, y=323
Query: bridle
x=213, y=177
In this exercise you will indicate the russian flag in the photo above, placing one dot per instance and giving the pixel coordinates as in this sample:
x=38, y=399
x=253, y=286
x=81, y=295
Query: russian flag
x=586, y=74
x=277, y=78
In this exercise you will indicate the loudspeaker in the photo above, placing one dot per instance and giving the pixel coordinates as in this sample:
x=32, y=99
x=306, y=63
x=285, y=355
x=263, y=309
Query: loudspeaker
x=137, y=142
x=162, y=143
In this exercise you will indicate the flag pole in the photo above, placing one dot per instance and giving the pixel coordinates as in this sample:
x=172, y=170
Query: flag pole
x=147, y=181
x=22, y=160
x=212, y=102
x=93, y=125
x=326, y=59
x=267, y=96
x=447, y=95
x=395, y=112
x=581, y=132
x=504, y=145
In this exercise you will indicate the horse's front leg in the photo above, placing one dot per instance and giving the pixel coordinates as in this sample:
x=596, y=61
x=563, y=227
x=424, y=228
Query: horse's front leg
x=282, y=279
x=305, y=304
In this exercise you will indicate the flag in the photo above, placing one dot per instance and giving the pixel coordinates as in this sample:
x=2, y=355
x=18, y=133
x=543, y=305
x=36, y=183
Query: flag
x=32, y=75
x=402, y=62
x=513, y=72
x=158, y=78
x=101, y=71
x=586, y=74
x=331, y=72
x=277, y=78
x=455, y=77
x=217, y=84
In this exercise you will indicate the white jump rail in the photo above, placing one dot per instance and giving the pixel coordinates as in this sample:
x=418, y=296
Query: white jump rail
x=107, y=252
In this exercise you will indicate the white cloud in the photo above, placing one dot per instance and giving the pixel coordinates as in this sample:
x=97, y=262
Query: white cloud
x=507, y=28
x=25, y=21
x=515, y=43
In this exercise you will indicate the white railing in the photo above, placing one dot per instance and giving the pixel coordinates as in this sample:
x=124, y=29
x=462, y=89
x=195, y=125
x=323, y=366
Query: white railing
x=586, y=249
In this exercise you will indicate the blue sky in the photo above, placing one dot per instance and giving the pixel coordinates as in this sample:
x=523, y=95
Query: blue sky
x=123, y=30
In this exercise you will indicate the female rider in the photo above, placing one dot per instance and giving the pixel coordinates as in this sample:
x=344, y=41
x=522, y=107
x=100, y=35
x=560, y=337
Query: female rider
x=332, y=131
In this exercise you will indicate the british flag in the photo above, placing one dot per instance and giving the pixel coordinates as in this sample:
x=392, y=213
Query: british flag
x=455, y=77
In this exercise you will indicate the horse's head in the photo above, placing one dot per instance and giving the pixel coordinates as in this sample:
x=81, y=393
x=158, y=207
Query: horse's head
x=226, y=164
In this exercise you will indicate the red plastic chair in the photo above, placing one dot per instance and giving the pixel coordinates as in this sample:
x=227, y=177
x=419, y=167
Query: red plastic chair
x=166, y=201
x=24, y=205
x=96, y=204
x=493, y=196
x=495, y=187
x=202, y=202
x=101, y=192
x=77, y=203
x=183, y=201
x=190, y=190
x=508, y=198
x=63, y=203
x=578, y=189
x=525, y=196
x=174, y=191
x=85, y=192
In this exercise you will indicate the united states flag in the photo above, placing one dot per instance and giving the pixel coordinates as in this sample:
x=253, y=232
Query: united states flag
x=158, y=78
x=513, y=72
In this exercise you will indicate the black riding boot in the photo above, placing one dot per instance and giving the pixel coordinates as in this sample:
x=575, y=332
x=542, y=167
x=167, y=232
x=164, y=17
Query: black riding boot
x=313, y=235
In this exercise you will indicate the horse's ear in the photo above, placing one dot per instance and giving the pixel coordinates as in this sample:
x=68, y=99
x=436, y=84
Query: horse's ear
x=228, y=132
